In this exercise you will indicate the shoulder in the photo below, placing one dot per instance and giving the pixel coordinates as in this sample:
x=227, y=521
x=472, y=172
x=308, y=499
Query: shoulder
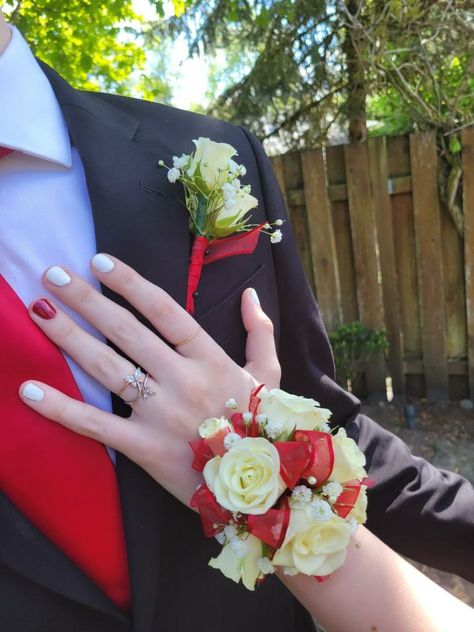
x=174, y=124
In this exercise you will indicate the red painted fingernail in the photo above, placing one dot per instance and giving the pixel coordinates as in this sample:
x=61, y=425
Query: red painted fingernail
x=44, y=309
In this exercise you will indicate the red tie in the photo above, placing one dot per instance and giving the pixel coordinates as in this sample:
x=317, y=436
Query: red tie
x=4, y=151
x=63, y=482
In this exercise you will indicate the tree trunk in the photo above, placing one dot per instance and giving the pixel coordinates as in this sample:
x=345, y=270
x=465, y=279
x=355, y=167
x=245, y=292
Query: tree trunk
x=356, y=88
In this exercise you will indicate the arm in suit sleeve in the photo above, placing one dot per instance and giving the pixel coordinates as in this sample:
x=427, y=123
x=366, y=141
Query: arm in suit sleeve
x=417, y=509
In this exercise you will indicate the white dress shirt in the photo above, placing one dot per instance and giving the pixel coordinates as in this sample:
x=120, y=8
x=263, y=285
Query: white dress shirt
x=45, y=210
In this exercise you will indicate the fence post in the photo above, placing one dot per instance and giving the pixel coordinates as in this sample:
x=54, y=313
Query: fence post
x=362, y=215
x=468, y=207
x=426, y=209
x=321, y=236
x=383, y=217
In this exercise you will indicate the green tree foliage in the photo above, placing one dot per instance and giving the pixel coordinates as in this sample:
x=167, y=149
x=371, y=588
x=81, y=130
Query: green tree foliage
x=299, y=68
x=353, y=345
x=93, y=44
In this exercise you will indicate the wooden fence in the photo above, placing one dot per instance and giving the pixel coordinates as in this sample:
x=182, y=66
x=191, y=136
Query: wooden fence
x=378, y=247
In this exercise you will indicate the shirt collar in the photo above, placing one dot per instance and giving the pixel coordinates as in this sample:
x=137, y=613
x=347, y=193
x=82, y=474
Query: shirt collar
x=31, y=120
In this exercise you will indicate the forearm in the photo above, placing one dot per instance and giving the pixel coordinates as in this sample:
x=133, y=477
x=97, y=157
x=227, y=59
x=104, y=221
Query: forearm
x=377, y=590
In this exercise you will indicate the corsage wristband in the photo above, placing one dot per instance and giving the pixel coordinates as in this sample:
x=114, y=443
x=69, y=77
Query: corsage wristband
x=281, y=488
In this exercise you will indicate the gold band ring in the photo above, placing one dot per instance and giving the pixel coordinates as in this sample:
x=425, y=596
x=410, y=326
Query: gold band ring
x=189, y=338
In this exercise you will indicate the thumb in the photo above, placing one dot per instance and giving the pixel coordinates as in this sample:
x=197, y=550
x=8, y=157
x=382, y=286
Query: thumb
x=262, y=360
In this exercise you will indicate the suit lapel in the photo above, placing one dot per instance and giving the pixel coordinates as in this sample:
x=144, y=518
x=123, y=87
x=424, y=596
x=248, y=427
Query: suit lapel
x=22, y=545
x=137, y=218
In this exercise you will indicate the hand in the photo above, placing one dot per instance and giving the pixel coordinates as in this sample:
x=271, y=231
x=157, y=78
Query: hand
x=190, y=382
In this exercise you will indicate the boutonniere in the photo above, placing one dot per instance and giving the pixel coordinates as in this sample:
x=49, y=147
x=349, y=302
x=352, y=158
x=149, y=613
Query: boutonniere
x=219, y=207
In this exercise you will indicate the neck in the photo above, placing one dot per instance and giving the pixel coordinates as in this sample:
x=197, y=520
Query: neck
x=5, y=34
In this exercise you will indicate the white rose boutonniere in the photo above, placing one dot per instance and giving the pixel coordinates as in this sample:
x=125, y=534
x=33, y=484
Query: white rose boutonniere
x=218, y=205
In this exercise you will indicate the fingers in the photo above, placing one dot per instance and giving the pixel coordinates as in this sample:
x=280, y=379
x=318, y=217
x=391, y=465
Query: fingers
x=262, y=360
x=165, y=314
x=113, y=321
x=95, y=357
x=115, y=432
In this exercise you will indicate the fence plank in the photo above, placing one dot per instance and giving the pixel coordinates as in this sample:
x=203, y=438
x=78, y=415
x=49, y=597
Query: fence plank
x=278, y=168
x=362, y=216
x=293, y=179
x=468, y=206
x=321, y=234
x=342, y=234
x=429, y=262
x=383, y=216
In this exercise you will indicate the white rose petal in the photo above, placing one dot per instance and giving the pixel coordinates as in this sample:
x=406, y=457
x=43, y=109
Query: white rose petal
x=291, y=410
x=247, y=478
x=220, y=537
x=173, y=175
x=212, y=426
x=236, y=183
x=349, y=461
x=212, y=159
x=243, y=203
x=237, y=569
x=311, y=546
x=359, y=511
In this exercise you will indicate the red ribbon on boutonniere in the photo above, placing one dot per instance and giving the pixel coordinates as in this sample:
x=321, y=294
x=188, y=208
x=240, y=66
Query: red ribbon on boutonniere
x=204, y=252
x=218, y=206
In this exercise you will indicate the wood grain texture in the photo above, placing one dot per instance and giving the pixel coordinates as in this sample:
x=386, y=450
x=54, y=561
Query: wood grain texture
x=364, y=238
x=321, y=237
x=378, y=164
x=428, y=244
x=468, y=207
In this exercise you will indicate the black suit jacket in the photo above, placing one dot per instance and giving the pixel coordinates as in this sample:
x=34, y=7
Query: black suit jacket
x=420, y=511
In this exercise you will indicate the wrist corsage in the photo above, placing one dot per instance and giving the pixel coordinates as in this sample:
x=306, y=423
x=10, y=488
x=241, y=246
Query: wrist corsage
x=281, y=488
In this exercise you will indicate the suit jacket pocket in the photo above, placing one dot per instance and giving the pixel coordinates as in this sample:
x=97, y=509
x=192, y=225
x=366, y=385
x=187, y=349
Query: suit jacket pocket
x=224, y=322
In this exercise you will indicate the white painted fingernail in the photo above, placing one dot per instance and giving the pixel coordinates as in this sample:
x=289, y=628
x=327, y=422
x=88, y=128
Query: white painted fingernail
x=254, y=297
x=33, y=392
x=102, y=263
x=58, y=276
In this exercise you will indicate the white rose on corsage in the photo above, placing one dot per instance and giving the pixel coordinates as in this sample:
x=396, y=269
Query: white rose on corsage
x=213, y=426
x=291, y=411
x=239, y=560
x=359, y=512
x=247, y=478
x=349, y=461
x=313, y=546
x=211, y=157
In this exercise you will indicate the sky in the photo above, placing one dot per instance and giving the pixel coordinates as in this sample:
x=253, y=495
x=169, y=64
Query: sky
x=189, y=76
